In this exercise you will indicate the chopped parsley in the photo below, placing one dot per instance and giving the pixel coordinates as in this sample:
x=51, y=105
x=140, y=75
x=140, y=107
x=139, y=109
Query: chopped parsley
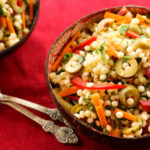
x=67, y=57
x=90, y=105
x=1, y=11
x=125, y=59
x=109, y=107
x=147, y=85
x=108, y=75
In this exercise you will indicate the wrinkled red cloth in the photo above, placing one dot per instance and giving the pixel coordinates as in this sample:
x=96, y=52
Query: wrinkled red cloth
x=22, y=74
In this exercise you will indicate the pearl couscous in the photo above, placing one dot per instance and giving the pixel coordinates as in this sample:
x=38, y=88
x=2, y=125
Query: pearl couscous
x=103, y=75
x=16, y=17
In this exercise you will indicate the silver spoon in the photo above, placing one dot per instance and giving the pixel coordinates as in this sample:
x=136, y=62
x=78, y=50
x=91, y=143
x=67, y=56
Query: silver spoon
x=64, y=135
x=52, y=113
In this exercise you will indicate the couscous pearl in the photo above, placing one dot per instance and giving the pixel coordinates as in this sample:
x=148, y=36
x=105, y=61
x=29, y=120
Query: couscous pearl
x=130, y=101
x=139, y=51
x=79, y=92
x=144, y=59
x=103, y=77
x=148, y=128
x=119, y=114
x=95, y=45
x=82, y=114
x=144, y=124
x=115, y=103
x=134, y=124
x=108, y=102
x=77, y=115
x=107, y=113
x=129, y=49
x=144, y=116
x=101, y=101
x=148, y=93
x=114, y=74
x=134, y=21
x=139, y=132
x=108, y=128
x=80, y=100
x=90, y=84
x=133, y=54
x=141, y=55
x=141, y=88
x=120, y=54
x=90, y=120
x=93, y=115
x=97, y=123
x=87, y=48
x=124, y=65
x=87, y=113
x=136, y=112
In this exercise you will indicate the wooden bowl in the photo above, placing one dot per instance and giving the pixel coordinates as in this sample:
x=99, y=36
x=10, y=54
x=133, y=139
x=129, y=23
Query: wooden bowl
x=10, y=49
x=78, y=124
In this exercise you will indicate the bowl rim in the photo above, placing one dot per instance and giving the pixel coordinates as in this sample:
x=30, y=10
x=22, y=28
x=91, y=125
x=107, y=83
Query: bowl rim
x=54, y=98
x=10, y=48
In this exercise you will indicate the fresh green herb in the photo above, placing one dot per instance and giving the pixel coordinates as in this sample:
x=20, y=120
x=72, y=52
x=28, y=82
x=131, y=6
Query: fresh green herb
x=122, y=82
x=109, y=107
x=60, y=71
x=143, y=36
x=90, y=105
x=147, y=85
x=115, y=124
x=1, y=10
x=123, y=29
x=26, y=2
x=148, y=15
x=67, y=57
x=125, y=59
x=80, y=59
x=108, y=75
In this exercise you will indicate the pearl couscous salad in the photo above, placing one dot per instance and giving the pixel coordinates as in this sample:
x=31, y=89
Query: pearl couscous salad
x=102, y=75
x=16, y=17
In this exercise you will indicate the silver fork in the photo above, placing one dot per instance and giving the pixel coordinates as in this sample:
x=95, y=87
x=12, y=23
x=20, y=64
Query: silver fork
x=52, y=113
x=64, y=135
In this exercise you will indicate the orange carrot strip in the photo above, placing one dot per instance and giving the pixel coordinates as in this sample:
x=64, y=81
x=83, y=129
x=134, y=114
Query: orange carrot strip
x=121, y=22
x=31, y=9
x=3, y=21
x=23, y=16
x=116, y=133
x=99, y=109
x=96, y=99
x=69, y=91
x=10, y=25
x=101, y=116
x=116, y=17
x=142, y=19
x=64, y=51
x=125, y=114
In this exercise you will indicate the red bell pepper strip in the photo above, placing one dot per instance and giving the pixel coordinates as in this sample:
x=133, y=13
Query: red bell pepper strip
x=123, y=11
x=132, y=34
x=75, y=98
x=19, y=3
x=82, y=45
x=147, y=72
x=77, y=81
x=145, y=105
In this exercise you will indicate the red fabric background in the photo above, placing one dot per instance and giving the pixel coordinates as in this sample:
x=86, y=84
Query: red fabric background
x=22, y=74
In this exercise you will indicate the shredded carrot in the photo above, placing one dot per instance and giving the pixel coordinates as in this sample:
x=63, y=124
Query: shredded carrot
x=31, y=9
x=23, y=15
x=69, y=91
x=99, y=109
x=64, y=51
x=125, y=114
x=10, y=25
x=142, y=19
x=121, y=22
x=3, y=21
x=101, y=116
x=116, y=17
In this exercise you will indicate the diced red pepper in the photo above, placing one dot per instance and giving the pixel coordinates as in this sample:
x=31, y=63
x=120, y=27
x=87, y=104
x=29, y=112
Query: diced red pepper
x=75, y=98
x=147, y=72
x=77, y=52
x=77, y=81
x=123, y=11
x=145, y=105
x=19, y=3
x=82, y=45
x=132, y=34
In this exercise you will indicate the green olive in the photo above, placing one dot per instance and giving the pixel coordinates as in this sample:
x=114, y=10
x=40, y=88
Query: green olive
x=18, y=9
x=127, y=72
x=76, y=108
x=129, y=91
x=66, y=104
x=135, y=128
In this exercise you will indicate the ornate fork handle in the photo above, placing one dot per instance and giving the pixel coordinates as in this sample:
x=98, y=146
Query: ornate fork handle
x=64, y=135
x=53, y=113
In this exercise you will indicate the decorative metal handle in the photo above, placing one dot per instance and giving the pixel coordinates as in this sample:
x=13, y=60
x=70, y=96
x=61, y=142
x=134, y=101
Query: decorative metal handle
x=52, y=113
x=64, y=135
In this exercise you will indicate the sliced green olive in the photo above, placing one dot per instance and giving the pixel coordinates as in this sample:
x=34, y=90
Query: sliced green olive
x=76, y=108
x=135, y=28
x=18, y=9
x=74, y=64
x=135, y=128
x=127, y=72
x=66, y=104
x=129, y=91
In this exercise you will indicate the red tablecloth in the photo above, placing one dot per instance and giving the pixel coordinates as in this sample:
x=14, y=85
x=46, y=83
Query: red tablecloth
x=22, y=74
